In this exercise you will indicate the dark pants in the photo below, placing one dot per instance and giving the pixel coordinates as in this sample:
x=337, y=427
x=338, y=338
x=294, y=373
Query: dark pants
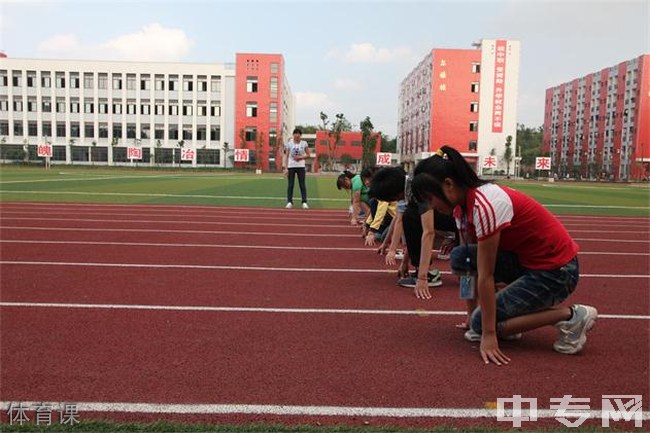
x=413, y=229
x=291, y=175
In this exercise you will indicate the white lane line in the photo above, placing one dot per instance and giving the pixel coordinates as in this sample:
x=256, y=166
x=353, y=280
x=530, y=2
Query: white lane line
x=159, y=195
x=268, y=310
x=227, y=223
x=292, y=410
x=248, y=268
x=252, y=247
x=163, y=231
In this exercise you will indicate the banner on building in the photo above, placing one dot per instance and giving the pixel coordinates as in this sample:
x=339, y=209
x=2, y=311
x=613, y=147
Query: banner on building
x=187, y=154
x=489, y=161
x=44, y=151
x=499, y=86
x=383, y=158
x=134, y=153
x=542, y=163
x=241, y=155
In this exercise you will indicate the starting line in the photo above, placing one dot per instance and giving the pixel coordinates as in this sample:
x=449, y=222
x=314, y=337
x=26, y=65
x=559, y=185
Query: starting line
x=418, y=312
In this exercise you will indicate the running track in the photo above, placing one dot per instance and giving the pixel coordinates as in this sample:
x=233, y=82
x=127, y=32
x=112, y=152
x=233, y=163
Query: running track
x=236, y=315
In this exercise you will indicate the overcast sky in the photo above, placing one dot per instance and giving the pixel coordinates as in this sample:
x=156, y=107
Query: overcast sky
x=340, y=56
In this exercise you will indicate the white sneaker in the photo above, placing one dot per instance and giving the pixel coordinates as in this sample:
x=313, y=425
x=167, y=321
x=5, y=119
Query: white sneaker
x=573, y=333
x=399, y=255
x=305, y=206
x=289, y=205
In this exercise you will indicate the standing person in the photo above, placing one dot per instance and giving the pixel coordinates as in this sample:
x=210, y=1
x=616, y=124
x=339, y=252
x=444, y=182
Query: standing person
x=296, y=151
x=518, y=242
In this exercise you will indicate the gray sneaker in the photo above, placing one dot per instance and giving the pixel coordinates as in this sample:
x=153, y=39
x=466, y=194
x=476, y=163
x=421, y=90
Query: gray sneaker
x=573, y=333
x=471, y=335
x=410, y=281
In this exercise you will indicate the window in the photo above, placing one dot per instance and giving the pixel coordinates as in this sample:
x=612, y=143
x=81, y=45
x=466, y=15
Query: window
x=117, y=106
x=173, y=83
x=60, y=105
x=145, y=82
x=88, y=81
x=273, y=112
x=173, y=108
x=251, y=109
x=130, y=82
x=201, y=133
x=74, y=81
x=31, y=105
x=117, y=130
x=274, y=87
x=274, y=68
x=159, y=131
x=473, y=126
x=202, y=84
x=472, y=145
x=32, y=129
x=145, y=107
x=187, y=132
x=46, y=129
x=202, y=111
x=74, y=106
x=130, y=130
x=473, y=107
x=18, y=104
x=159, y=108
x=18, y=127
x=215, y=83
x=215, y=133
x=251, y=84
x=160, y=82
x=16, y=79
x=103, y=130
x=89, y=106
x=476, y=68
x=474, y=87
x=74, y=130
x=60, y=129
x=4, y=127
x=31, y=79
x=250, y=134
x=4, y=104
x=60, y=80
x=145, y=131
x=130, y=107
x=89, y=130
x=117, y=82
x=173, y=132
x=188, y=84
x=103, y=106
x=187, y=108
x=3, y=79
x=102, y=81
x=215, y=109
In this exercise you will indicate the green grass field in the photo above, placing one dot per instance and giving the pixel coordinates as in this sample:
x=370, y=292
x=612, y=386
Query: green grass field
x=226, y=188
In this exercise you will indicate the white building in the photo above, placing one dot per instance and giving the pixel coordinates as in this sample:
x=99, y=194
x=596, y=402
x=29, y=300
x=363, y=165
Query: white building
x=93, y=111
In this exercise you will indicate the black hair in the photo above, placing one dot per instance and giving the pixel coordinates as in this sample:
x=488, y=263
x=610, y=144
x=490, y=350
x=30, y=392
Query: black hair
x=341, y=179
x=297, y=131
x=430, y=174
x=388, y=183
x=368, y=172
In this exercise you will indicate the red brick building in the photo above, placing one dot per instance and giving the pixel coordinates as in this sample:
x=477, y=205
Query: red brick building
x=349, y=143
x=599, y=125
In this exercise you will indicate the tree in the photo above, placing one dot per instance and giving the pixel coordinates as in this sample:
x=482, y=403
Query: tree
x=388, y=145
x=334, y=131
x=529, y=141
x=507, y=155
x=347, y=160
x=308, y=129
x=259, y=145
x=368, y=143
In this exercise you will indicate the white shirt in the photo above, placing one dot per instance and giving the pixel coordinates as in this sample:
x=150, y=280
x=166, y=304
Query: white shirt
x=295, y=149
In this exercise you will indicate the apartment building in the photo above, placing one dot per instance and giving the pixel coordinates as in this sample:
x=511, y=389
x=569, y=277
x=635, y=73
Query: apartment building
x=598, y=125
x=465, y=98
x=100, y=111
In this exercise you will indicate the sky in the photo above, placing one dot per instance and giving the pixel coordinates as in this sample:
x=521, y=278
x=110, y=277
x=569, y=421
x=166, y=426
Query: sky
x=340, y=56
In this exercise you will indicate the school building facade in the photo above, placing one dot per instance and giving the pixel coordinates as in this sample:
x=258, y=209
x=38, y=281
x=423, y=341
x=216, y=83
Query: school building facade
x=173, y=113
x=464, y=98
x=598, y=125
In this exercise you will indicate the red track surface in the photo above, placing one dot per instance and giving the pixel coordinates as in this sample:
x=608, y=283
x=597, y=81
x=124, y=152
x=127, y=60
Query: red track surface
x=282, y=357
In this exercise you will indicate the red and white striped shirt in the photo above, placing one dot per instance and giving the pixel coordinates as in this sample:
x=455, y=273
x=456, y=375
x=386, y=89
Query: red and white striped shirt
x=527, y=229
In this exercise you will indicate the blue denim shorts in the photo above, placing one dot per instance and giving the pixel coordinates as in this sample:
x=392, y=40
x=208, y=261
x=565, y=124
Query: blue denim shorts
x=528, y=290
